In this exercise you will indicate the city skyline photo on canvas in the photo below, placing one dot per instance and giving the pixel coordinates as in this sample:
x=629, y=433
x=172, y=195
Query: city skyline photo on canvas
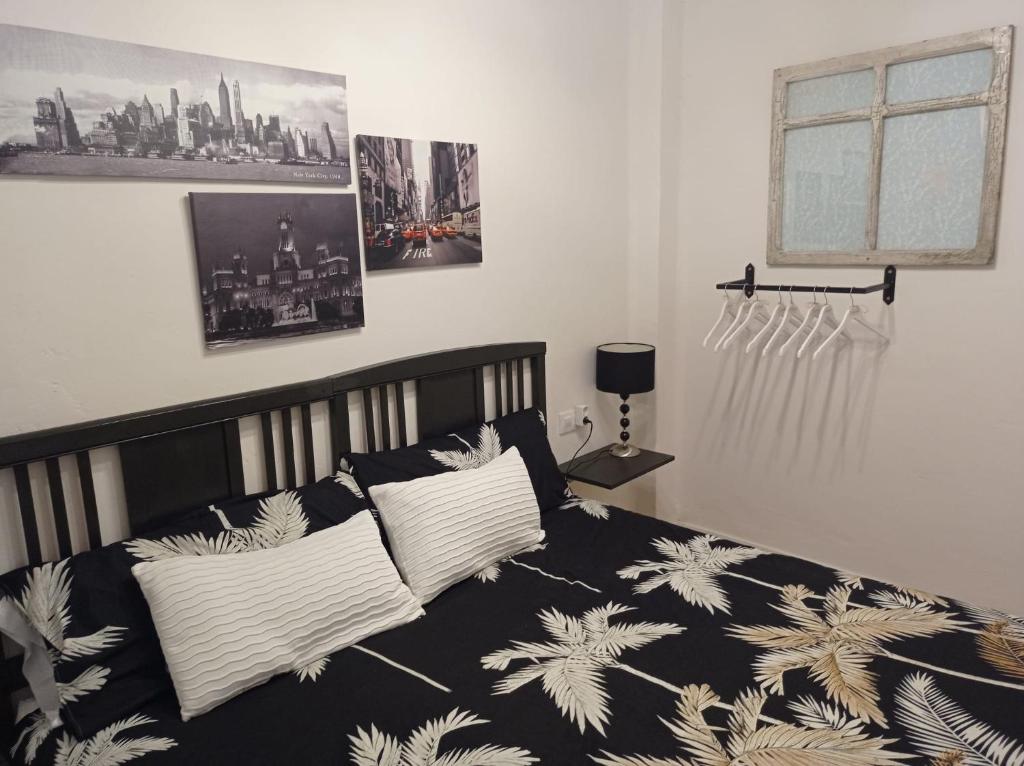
x=76, y=105
x=276, y=265
x=420, y=202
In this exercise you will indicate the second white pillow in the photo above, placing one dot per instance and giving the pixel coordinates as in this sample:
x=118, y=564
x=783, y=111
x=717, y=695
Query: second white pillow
x=445, y=528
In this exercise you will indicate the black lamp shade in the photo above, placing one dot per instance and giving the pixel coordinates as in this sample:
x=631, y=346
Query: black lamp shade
x=625, y=368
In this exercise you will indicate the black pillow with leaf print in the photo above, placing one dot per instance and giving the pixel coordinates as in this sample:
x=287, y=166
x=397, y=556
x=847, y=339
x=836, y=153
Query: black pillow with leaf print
x=89, y=609
x=470, y=448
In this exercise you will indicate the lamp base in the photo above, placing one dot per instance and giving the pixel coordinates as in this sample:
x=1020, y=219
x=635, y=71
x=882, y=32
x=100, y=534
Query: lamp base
x=624, y=450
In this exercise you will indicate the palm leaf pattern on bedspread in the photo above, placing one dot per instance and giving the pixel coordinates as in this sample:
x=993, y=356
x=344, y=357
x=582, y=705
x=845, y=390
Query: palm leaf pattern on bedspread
x=571, y=665
x=585, y=504
x=376, y=748
x=691, y=569
x=743, y=658
x=1001, y=641
x=939, y=727
x=107, y=748
x=836, y=646
x=825, y=737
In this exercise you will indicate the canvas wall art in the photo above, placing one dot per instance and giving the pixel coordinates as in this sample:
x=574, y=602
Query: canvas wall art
x=420, y=202
x=83, y=106
x=276, y=265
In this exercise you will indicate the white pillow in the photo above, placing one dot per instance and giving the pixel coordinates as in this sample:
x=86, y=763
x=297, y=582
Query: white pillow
x=230, y=622
x=445, y=528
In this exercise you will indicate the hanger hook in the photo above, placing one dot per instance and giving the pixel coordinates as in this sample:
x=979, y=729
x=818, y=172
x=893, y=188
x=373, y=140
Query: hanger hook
x=780, y=295
x=824, y=294
x=791, y=295
x=851, y=297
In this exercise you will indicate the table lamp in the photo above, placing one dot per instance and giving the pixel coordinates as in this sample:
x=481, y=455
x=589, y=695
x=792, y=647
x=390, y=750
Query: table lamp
x=624, y=369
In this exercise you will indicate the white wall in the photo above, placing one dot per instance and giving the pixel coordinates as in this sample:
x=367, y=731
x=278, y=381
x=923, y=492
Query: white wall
x=99, y=295
x=624, y=151
x=904, y=464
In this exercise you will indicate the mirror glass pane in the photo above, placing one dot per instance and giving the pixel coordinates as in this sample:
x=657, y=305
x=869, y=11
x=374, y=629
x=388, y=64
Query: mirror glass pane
x=932, y=169
x=825, y=183
x=834, y=93
x=959, y=74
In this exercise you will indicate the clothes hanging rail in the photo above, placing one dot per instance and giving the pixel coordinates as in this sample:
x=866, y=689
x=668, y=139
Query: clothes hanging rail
x=748, y=285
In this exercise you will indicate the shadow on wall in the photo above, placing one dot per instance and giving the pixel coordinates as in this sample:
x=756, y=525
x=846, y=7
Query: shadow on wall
x=787, y=411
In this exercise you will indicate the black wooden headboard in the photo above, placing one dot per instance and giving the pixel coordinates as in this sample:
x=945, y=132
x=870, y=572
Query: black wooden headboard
x=190, y=455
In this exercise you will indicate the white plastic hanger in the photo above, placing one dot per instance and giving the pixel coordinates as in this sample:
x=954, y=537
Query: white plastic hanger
x=852, y=312
x=812, y=307
x=740, y=312
x=767, y=325
x=728, y=309
x=757, y=309
x=790, y=314
x=825, y=314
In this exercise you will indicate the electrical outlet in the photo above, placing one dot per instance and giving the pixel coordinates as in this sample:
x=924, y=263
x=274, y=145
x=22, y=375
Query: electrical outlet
x=566, y=421
x=581, y=413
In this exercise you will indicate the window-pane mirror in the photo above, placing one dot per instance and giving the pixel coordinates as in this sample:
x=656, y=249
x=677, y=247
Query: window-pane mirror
x=891, y=156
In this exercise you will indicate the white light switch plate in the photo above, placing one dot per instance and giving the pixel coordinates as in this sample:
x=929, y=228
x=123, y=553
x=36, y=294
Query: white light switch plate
x=566, y=421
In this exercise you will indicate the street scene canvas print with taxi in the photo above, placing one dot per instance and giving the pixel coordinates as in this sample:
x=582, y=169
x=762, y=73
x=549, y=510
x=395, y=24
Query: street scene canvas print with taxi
x=276, y=265
x=420, y=202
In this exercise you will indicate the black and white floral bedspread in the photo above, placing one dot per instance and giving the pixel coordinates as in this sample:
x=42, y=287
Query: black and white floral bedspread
x=627, y=641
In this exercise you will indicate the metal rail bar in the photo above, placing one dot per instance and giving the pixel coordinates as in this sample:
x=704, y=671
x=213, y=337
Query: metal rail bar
x=750, y=286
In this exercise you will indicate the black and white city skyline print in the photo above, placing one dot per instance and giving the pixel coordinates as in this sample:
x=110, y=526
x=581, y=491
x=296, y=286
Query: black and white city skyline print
x=276, y=265
x=77, y=105
x=420, y=202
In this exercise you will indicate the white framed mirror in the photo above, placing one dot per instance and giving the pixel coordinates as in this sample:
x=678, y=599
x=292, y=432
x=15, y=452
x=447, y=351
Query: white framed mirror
x=892, y=156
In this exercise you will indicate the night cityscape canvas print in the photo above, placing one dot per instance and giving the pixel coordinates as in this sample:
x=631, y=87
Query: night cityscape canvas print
x=420, y=202
x=83, y=106
x=276, y=265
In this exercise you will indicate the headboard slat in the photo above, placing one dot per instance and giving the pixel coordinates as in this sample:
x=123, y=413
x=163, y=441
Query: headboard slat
x=497, y=390
x=60, y=508
x=520, y=384
x=478, y=391
x=233, y=453
x=371, y=441
x=269, y=455
x=289, y=448
x=341, y=440
x=537, y=382
x=403, y=434
x=385, y=417
x=307, y=443
x=85, y=483
x=29, y=526
x=509, y=409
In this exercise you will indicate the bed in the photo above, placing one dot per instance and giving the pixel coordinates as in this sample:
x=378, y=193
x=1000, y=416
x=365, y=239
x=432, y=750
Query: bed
x=621, y=639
